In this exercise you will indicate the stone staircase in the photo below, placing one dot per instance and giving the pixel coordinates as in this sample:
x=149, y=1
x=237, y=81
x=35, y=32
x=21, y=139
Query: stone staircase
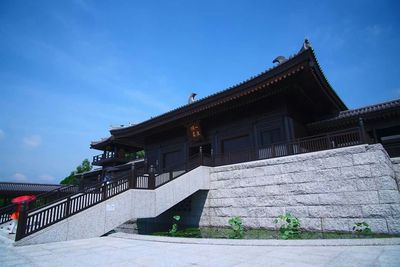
x=101, y=209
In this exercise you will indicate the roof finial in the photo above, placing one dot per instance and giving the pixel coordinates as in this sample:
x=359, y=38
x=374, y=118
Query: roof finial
x=191, y=98
x=306, y=45
x=279, y=60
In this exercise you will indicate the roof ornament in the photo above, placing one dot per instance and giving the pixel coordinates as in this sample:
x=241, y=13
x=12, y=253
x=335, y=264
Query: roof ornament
x=191, y=98
x=306, y=45
x=117, y=126
x=279, y=60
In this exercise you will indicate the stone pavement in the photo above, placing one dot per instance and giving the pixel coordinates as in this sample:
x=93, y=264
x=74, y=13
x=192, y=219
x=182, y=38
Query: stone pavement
x=117, y=250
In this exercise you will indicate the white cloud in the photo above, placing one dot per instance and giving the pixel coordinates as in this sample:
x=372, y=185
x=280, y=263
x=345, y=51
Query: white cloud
x=46, y=178
x=1, y=134
x=20, y=178
x=32, y=141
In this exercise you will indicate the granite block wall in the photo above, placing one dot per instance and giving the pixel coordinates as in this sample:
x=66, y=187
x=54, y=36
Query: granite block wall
x=327, y=191
x=396, y=168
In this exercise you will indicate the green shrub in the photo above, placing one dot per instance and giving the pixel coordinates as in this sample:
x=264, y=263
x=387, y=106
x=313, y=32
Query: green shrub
x=290, y=226
x=362, y=228
x=237, y=227
x=174, y=228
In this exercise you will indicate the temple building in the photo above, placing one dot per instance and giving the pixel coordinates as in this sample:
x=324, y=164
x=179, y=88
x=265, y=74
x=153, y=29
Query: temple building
x=288, y=109
x=280, y=142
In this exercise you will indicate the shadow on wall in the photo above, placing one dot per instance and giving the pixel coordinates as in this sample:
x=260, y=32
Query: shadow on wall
x=190, y=210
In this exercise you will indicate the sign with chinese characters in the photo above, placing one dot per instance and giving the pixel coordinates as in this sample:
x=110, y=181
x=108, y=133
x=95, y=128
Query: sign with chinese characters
x=194, y=131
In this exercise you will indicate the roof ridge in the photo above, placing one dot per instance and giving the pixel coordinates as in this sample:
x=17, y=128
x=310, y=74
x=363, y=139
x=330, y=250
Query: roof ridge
x=371, y=106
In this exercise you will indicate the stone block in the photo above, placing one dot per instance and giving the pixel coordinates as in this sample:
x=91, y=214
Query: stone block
x=222, y=202
x=272, y=170
x=312, y=164
x=273, y=212
x=293, y=167
x=379, y=170
x=326, y=175
x=337, y=161
x=258, y=212
x=346, y=211
x=273, y=180
x=366, y=184
x=393, y=225
x=378, y=210
x=219, y=184
x=252, y=181
x=337, y=186
x=368, y=158
x=389, y=196
x=386, y=183
x=274, y=201
x=376, y=225
x=271, y=190
x=360, y=171
x=252, y=172
x=244, y=201
x=395, y=210
x=297, y=211
x=294, y=189
x=329, y=224
x=348, y=198
x=311, y=224
x=321, y=187
x=230, y=212
x=306, y=199
x=219, y=221
x=252, y=222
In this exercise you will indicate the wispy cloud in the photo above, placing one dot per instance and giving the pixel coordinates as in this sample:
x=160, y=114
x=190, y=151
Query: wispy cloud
x=20, y=178
x=47, y=178
x=32, y=141
x=2, y=134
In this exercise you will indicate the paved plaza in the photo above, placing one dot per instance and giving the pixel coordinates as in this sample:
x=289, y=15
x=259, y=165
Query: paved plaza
x=124, y=250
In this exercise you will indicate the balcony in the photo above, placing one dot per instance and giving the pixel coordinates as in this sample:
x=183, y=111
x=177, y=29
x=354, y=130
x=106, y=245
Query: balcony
x=110, y=158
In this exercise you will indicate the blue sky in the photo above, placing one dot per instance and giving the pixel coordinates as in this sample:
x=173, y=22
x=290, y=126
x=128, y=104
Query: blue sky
x=70, y=69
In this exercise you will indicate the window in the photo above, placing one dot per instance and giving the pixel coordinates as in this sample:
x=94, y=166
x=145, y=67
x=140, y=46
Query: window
x=237, y=143
x=269, y=137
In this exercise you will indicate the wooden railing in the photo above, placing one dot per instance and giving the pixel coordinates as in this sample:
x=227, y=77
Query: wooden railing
x=108, y=155
x=299, y=146
x=40, y=201
x=152, y=178
x=34, y=220
x=5, y=213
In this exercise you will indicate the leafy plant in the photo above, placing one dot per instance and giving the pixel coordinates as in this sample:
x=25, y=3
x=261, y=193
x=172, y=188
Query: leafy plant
x=237, y=227
x=290, y=226
x=174, y=228
x=362, y=228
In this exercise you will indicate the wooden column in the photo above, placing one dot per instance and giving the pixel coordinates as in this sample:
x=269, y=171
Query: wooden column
x=152, y=178
x=363, y=134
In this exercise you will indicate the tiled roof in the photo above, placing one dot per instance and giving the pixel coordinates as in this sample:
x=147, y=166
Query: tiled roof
x=368, y=109
x=363, y=112
x=27, y=187
x=270, y=76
